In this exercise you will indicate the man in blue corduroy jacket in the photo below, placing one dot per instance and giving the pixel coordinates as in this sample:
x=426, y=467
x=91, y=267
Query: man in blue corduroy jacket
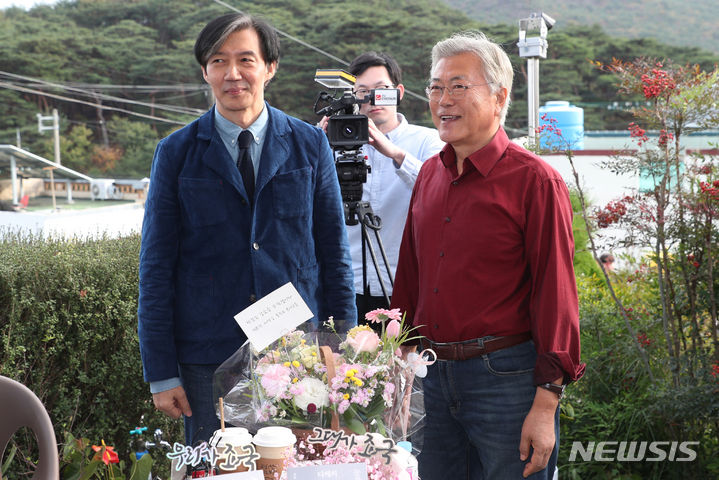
x=220, y=233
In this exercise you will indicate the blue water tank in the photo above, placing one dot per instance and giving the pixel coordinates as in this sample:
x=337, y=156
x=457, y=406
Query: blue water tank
x=569, y=120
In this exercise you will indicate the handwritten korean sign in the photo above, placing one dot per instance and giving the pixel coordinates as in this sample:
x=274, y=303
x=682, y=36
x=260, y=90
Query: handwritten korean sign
x=224, y=457
x=371, y=446
x=273, y=315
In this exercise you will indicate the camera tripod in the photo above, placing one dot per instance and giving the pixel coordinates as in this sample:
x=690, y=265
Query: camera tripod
x=361, y=212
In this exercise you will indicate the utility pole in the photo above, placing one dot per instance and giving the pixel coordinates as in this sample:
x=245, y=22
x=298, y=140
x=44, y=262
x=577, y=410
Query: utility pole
x=533, y=46
x=55, y=127
x=13, y=171
x=56, y=136
x=101, y=119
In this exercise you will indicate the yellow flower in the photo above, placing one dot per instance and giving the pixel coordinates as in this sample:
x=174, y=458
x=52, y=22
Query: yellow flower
x=286, y=364
x=346, y=396
x=295, y=380
x=296, y=364
x=306, y=355
x=358, y=382
x=349, y=373
x=358, y=329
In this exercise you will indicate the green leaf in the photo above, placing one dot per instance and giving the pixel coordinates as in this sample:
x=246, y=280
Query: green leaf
x=8, y=461
x=140, y=468
x=90, y=469
x=379, y=423
x=567, y=410
x=354, y=423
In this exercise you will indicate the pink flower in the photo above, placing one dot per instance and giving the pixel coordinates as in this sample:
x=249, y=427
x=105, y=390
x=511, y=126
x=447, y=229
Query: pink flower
x=380, y=315
x=393, y=329
x=387, y=393
x=275, y=379
x=364, y=341
x=296, y=389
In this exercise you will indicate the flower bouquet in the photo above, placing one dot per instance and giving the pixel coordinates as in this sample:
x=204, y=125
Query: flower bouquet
x=285, y=384
x=371, y=378
x=356, y=381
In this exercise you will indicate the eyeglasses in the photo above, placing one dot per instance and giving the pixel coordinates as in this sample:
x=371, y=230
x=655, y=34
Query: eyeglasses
x=456, y=91
x=363, y=92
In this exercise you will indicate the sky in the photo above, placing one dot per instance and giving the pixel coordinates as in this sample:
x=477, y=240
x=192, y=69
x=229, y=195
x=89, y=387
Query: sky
x=22, y=3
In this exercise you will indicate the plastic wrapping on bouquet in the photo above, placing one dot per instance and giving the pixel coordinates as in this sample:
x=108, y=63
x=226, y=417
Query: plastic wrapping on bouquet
x=247, y=382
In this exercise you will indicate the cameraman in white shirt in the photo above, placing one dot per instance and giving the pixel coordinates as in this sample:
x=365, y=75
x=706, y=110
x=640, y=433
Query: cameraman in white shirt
x=395, y=154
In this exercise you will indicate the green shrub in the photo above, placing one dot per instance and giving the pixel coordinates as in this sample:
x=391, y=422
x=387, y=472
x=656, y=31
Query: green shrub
x=616, y=400
x=68, y=331
x=584, y=263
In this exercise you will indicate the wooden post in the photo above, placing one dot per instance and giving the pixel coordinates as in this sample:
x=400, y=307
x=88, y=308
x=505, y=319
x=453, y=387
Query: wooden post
x=52, y=186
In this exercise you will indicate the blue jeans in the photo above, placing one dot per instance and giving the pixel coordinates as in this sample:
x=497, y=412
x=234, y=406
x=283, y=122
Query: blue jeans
x=475, y=410
x=197, y=382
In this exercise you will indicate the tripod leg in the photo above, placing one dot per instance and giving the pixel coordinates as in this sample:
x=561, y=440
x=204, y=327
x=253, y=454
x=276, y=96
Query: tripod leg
x=384, y=258
x=368, y=244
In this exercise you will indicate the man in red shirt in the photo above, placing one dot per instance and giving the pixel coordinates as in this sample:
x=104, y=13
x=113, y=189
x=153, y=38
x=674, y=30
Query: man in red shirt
x=485, y=270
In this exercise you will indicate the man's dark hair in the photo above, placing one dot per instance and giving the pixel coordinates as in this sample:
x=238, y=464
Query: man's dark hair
x=606, y=258
x=215, y=34
x=376, y=59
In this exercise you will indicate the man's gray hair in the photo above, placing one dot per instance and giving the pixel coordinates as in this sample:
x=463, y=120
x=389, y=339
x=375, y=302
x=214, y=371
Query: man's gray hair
x=498, y=71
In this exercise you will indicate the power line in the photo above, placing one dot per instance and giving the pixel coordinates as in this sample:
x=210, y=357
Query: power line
x=316, y=49
x=173, y=97
x=179, y=87
x=97, y=96
x=82, y=102
x=294, y=39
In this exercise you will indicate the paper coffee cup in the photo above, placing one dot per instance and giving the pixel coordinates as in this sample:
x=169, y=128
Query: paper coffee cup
x=274, y=445
x=238, y=439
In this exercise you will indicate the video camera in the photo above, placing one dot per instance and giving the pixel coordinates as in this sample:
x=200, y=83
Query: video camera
x=347, y=130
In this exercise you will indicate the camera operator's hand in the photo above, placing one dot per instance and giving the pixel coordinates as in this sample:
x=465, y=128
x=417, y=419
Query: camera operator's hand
x=323, y=123
x=383, y=145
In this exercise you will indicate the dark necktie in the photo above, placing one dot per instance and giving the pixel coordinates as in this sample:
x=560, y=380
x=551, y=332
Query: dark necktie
x=244, y=163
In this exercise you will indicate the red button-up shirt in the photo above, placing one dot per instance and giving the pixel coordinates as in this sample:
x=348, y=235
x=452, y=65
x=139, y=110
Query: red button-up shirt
x=489, y=252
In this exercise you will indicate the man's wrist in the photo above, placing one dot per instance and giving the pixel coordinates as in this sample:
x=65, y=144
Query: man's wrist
x=548, y=394
x=159, y=386
x=545, y=401
x=398, y=158
x=557, y=389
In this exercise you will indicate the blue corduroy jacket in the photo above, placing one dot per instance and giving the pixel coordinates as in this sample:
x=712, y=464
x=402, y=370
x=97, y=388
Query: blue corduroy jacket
x=207, y=253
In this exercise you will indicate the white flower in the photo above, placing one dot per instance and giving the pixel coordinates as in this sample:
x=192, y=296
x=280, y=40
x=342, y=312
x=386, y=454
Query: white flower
x=314, y=391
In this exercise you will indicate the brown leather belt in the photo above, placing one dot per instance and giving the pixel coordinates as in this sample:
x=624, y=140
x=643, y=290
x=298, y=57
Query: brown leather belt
x=475, y=348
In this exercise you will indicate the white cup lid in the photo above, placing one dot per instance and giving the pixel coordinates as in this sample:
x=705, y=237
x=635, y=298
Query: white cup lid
x=274, y=437
x=231, y=435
